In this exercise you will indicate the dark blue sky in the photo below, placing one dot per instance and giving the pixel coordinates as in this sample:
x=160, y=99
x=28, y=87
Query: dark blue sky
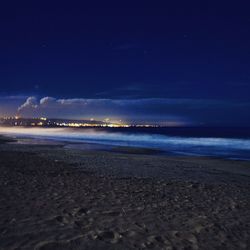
x=164, y=54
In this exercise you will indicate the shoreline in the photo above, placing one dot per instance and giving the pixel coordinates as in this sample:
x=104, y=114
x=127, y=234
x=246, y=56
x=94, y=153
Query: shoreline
x=133, y=154
x=53, y=197
x=95, y=146
x=169, y=144
x=75, y=153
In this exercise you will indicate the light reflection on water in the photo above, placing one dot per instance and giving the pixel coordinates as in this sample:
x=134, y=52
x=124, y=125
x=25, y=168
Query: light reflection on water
x=224, y=147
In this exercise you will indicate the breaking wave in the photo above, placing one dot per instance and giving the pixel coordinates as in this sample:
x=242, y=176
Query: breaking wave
x=224, y=147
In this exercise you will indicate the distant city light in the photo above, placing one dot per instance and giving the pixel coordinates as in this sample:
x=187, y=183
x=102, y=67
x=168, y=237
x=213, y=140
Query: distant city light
x=45, y=122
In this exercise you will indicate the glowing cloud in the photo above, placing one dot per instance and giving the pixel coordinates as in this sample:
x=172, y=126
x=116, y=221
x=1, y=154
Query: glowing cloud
x=31, y=102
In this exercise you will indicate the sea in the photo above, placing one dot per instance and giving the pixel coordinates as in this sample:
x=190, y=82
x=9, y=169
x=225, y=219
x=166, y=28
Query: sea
x=222, y=142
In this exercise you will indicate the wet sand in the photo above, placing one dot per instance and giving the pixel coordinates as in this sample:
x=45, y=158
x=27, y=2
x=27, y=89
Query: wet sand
x=52, y=197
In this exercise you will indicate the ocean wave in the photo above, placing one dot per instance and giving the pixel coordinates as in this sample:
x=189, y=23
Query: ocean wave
x=233, y=147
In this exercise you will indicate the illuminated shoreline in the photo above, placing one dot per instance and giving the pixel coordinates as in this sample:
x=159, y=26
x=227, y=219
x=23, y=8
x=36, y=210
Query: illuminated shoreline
x=46, y=122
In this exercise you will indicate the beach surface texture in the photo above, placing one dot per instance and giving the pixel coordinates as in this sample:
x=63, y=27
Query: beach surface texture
x=54, y=197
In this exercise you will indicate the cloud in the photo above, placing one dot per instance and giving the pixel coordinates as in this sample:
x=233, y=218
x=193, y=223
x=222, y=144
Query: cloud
x=99, y=108
x=186, y=111
x=31, y=102
x=47, y=101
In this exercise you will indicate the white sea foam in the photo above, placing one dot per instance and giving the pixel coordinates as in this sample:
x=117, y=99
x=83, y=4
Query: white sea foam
x=193, y=145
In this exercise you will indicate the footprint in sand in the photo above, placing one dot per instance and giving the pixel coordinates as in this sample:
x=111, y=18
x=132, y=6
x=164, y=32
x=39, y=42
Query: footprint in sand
x=78, y=244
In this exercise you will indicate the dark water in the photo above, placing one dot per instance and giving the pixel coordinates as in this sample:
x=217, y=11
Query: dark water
x=219, y=142
x=219, y=132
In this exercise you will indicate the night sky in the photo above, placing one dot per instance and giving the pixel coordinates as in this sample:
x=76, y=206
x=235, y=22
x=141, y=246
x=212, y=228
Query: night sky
x=173, y=62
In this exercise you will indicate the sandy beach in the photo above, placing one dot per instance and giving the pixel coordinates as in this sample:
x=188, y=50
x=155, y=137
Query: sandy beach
x=57, y=197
